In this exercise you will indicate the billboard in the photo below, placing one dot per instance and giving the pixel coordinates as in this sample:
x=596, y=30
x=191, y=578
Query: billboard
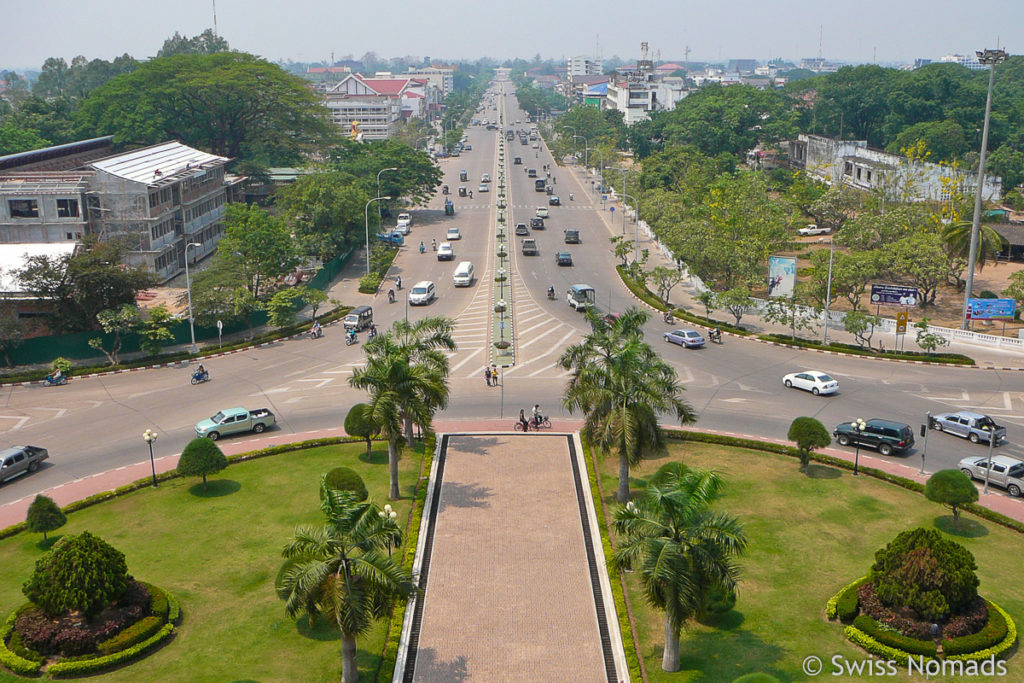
x=895, y=294
x=990, y=309
x=781, y=276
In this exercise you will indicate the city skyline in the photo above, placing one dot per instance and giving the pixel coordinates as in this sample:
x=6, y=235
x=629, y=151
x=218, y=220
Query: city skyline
x=872, y=31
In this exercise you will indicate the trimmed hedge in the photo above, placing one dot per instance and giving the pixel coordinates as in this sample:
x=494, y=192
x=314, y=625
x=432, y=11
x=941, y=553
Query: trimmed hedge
x=88, y=666
x=858, y=637
x=998, y=649
x=136, y=633
x=852, y=349
x=994, y=633
x=11, y=660
x=868, y=624
x=832, y=607
x=158, y=600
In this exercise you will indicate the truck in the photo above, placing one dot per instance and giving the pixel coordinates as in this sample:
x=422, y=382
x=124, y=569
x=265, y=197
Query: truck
x=529, y=247
x=540, y=184
x=1006, y=473
x=393, y=238
x=18, y=460
x=580, y=297
x=235, y=420
x=969, y=425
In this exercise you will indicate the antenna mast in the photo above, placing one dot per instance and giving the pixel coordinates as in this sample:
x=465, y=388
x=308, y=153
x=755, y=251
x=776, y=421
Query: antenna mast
x=215, y=18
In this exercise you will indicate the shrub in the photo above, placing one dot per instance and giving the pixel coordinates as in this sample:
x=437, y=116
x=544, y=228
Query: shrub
x=996, y=650
x=44, y=515
x=136, y=633
x=86, y=666
x=369, y=283
x=951, y=488
x=993, y=633
x=359, y=423
x=201, y=457
x=807, y=433
x=848, y=601
x=17, y=663
x=858, y=637
x=157, y=600
x=81, y=573
x=344, y=479
x=868, y=625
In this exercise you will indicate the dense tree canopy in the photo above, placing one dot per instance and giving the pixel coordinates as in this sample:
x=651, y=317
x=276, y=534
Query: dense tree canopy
x=206, y=43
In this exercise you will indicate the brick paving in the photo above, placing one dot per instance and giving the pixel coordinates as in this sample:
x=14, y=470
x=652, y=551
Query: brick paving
x=508, y=594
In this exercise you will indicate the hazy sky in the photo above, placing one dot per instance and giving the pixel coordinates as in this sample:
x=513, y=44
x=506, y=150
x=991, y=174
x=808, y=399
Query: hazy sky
x=862, y=31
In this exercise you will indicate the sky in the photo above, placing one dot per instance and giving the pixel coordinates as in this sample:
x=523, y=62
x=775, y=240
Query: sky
x=883, y=31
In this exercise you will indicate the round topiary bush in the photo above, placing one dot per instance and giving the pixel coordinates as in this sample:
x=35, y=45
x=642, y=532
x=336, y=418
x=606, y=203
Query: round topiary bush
x=201, y=457
x=81, y=573
x=344, y=479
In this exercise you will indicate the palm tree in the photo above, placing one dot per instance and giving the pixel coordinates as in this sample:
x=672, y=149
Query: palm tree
x=682, y=549
x=426, y=342
x=957, y=237
x=621, y=385
x=340, y=570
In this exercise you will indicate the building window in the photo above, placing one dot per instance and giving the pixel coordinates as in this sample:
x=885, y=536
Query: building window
x=67, y=208
x=858, y=174
x=23, y=208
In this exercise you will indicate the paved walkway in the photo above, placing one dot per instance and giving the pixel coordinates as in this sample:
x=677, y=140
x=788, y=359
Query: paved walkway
x=508, y=593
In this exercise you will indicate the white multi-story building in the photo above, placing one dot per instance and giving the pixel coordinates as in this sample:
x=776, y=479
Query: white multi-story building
x=970, y=62
x=441, y=78
x=585, y=66
x=636, y=98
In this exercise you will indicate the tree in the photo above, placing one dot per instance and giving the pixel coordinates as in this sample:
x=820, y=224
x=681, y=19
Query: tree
x=229, y=103
x=807, y=433
x=920, y=259
x=44, y=515
x=326, y=211
x=788, y=312
x=12, y=331
x=344, y=479
x=219, y=293
x=681, y=548
x=314, y=298
x=200, y=458
x=206, y=43
x=155, y=329
x=53, y=78
x=257, y=246
x=957, y=240
x=1015, y=290
x=80, y=574
x=339, y=570
x=929, y=341
x=621, y=386
x=281, y=307
x=359, y=423
x=665, y=279
x=832, y=209
x=861, y=326
x=417, y=178
x=951, y=488
x=120, y=322
x=736, y=300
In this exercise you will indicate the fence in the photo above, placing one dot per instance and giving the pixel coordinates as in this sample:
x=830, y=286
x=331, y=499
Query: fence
x=76, y=345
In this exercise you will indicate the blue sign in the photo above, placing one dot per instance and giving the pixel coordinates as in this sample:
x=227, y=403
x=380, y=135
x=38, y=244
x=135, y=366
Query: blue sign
x=990, y=309
x=895, y=294
x=612, y=209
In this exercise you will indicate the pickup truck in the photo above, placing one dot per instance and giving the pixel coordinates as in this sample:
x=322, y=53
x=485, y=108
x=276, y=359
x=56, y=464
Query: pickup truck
x=972, y=426
x=529, y=247
x=234, y=420
x=18, y=460
x=1007, y=473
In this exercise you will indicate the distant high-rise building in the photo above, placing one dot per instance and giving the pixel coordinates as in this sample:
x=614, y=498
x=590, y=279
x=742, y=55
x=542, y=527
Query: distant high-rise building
x=964, y=60
x=743, y=66
x=921, y=61
x=585, y=66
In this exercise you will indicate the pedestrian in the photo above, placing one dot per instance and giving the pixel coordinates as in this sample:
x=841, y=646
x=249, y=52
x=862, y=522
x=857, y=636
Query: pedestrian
x=487, y=375
x=554, y=179
x=523, y=421
x=494, y=374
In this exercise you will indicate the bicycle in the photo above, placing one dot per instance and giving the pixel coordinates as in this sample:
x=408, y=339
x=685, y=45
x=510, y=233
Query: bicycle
x=543, y=423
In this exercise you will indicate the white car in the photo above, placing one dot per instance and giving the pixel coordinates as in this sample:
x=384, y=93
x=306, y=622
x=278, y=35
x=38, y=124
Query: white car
x=402, y=228
x=813, y=229
x=405, y=219
x=445, y=252
x=453, y=234
x=485, y=178
x=542, y=212
x=422, y=293
x=814, y=381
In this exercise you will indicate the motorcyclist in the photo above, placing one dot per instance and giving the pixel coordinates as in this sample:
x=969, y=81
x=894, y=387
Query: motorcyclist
x=317, y=330
x=668, y=316
x=350, y=335
x=391, y=296
x=373, y=331
x=551, y=292
x=398, y=282
x=715, y=334
x=201, y=372
x=570, y=196
x=433, y=244
x=471, y=194
x=422, y=248
x=55, y=377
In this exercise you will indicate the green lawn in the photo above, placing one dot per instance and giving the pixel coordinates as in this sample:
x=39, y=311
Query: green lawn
x=809, y=537
x=220, y=554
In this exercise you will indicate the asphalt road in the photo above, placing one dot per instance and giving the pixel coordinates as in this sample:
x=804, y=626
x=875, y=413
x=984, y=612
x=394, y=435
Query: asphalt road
x=94, y=425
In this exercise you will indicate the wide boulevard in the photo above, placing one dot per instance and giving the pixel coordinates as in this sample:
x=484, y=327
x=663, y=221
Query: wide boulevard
x=94, y=425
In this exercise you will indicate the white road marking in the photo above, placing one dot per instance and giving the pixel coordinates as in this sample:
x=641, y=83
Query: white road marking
x=467, y=359
x=322, y=382
x=21, y=419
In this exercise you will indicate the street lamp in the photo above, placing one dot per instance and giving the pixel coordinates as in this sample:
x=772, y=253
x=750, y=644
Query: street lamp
x=366, y=216
x=623, y=171
x=149, y=436
x=586, y=151
x=828, y=287
x=389, y=516
x=636, y=244
x=859, y=424
x=991, y=58
x=188, y=292
x=379, y=215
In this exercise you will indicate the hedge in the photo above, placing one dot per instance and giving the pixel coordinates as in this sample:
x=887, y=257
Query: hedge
x=158, y=600
x=14, y=662
x=832, y=609
x=653, y=300
x=136, y=633
x=88, y=666
x=868, y=624
x=858, y=637
x=839, y=347
x=996, y=650
x=994, y=633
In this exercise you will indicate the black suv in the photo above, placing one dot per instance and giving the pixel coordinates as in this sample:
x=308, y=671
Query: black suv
x=572, y=236
x=886, y=436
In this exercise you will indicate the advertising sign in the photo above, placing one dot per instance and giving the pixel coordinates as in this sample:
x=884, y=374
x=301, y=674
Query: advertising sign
x=895, y=294
x=990, y=309
x=781, y=276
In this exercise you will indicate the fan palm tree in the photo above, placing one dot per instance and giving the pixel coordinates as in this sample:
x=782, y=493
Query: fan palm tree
x=400, y=389
x=426, y=341
x=682, y=549
x=340, y=570
x=621, y=386
x=957, y=238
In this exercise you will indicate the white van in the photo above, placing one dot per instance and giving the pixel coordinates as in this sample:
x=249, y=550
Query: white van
x=422, y=293
x=463, y=275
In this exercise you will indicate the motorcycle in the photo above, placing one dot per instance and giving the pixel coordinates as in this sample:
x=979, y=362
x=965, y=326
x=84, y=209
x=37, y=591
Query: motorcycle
x=398, y=283
x=668, y=318
x=316, y=332
x=715, y=336
x=422, y=248
x=200, y=377
x=540, y=422
x=56, y=382
x=351, y=339
x=391, y=296
x=551, y=294
x=372, y=333
x=570, y=197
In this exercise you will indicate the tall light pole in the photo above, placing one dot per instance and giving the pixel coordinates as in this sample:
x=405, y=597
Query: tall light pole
x=858, y=425
x=636, y=245
x=623, y=171
x=573, y=132
x=366, y=216
x=149, y=436
x=828, y=287
x=379, y=215
x=188, y=292
x=586, y=151
x=991, y=58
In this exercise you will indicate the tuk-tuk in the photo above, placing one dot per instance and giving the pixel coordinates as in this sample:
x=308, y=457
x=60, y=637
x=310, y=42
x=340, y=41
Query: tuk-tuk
x=518, y=161
x=462, y=190
x=549, y=190
x=444, y=189
x=449, y=208
x=463, y=176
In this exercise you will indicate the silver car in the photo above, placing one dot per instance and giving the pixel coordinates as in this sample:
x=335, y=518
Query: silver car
x=18, y=460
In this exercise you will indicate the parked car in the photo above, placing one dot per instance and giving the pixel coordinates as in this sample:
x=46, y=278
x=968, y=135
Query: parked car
x=553, y=200
x=563, y=258
x=529, y=247
x=572, y=236
x=467, y=147
x=453, y=234
x=813, y=229
x=233, y=421
x=517, y=161
x=18, y=460
x=402, y=229
x=814, y=381
x=522, y=230
x=1007, y=472
x=445, y=252
x=886, y=436
x=405, y=219
x=422, y=293
x=393, y=238
x=542, y=211
x=691, y=339
x=972, y=426
x=483, y=188
x=536, y=223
